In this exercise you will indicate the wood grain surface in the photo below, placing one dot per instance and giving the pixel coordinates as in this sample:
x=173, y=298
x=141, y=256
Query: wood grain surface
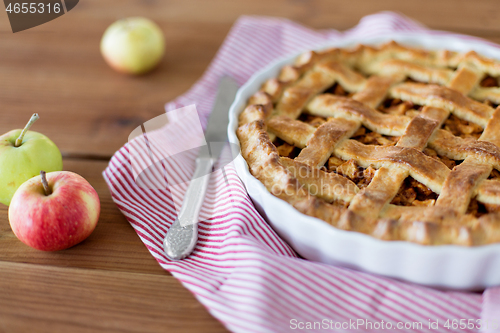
x=110, y=282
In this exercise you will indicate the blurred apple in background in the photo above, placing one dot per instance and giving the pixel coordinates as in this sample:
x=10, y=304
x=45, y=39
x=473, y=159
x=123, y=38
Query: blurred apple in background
x=54, y=211
x=23, y=154
x=133, y=45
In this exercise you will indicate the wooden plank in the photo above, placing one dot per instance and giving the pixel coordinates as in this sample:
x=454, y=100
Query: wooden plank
x=86, y=108
x=38, y=298
x=113, y=245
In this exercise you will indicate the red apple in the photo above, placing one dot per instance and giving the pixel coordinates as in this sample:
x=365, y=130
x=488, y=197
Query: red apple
x=54, y=213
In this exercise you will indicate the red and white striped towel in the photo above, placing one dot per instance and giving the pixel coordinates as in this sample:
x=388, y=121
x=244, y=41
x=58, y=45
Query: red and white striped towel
x=241, y=271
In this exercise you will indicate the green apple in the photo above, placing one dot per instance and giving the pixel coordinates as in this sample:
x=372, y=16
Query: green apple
x=23, y=154
x=133, y=45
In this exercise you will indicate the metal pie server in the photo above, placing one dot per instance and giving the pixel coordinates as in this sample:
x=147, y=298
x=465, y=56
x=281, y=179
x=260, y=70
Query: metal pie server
x=182, y=236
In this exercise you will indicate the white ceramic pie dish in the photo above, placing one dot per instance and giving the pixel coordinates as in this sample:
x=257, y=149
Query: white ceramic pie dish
x=446, y=266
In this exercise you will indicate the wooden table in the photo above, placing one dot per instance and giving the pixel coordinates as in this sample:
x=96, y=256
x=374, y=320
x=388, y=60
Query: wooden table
x=110, y=282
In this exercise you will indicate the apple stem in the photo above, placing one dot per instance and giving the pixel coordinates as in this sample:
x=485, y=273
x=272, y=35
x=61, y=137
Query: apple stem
x=45, y=184
x=33, y=118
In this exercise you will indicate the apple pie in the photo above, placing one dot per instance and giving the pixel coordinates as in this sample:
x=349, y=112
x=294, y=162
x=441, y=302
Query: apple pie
x=394, y=142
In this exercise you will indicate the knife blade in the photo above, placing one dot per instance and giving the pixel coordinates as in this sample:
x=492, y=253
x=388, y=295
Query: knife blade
x=182, y=236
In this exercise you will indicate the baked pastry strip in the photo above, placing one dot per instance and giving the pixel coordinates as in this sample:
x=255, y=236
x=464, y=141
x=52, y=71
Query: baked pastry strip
x=412, y=70
x=465, y=80
x=318, y=146
x=327, y=105
x=460, y=186
x=264, y=164
x=395, y=164
x=445, y=98
x=293, y=132
x=375, y=90
x=325, y=185
x=324, y=140
x=322, y=76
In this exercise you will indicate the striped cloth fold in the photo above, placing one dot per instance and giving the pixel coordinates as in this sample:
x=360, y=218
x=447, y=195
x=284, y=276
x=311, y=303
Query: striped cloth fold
x=241, y=271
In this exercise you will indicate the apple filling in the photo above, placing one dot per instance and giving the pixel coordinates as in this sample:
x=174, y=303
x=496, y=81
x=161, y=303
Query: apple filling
x=399, y=107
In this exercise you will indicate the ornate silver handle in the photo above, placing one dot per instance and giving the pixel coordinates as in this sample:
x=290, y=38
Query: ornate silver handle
x=183, y=234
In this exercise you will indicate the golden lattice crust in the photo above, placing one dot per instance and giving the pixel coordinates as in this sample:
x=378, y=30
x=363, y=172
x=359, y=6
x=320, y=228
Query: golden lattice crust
x=445, y=84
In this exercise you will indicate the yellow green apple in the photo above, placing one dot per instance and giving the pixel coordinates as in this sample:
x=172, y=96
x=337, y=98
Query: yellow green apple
x=54, y=211
x=133, y=45
x=23, y=154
